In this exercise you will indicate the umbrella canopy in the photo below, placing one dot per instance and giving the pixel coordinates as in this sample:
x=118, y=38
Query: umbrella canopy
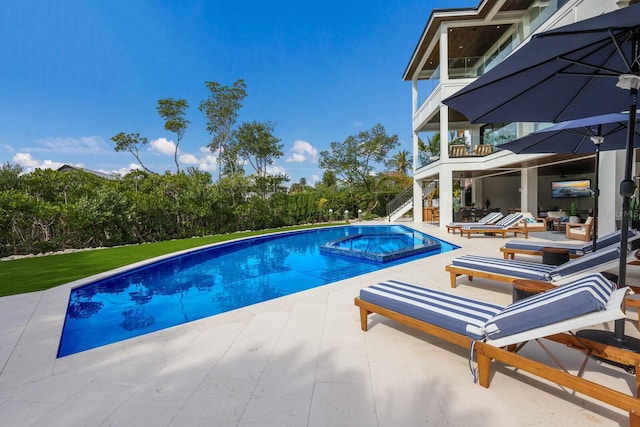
x=581, y=136
x=563, y=74
x=580, y=70
x=574, y=136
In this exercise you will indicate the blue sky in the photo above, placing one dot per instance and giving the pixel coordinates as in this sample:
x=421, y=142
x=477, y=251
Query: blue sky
x=75, y=73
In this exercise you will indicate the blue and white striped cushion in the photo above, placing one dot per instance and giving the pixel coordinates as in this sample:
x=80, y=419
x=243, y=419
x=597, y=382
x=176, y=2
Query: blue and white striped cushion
x=490, y=218
x=611, y=239
x=585, y=295
x=539, y=246
x=452, y=312
x=506, y=222
x=507, y=267
x=604, y=259
x=574, y=248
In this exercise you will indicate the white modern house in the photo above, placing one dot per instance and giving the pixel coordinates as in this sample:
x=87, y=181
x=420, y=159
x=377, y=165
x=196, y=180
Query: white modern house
x=457, y=46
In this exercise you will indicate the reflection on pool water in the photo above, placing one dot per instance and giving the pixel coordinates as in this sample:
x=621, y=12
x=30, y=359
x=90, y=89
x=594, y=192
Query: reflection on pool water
x=221, y=278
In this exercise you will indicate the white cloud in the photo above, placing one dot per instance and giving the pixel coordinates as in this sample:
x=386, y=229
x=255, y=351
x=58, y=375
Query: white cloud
x=189, y=159
x=9, y=148
x=303, y=151
x=163, y=146
x=208, y=163
x=81, y=145
x=315, y=178
x=125, y=170
x=276, y=170
x=296, y=158
x=29, y=163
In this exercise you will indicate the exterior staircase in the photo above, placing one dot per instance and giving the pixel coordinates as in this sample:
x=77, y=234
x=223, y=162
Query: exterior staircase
x=403, y=202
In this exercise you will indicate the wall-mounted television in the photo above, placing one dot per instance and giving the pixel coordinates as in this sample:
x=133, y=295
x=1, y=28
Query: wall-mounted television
x=573, y=188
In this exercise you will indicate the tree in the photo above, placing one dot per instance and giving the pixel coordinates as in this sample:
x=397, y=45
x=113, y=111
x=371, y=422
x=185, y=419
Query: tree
x=221, y=109
x=353, y=160
x=131, y=142
x=258, y=146
x=400, y=162
x=172, y=111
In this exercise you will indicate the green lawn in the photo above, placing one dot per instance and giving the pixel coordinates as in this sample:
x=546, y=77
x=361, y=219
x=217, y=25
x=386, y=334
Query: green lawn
x=36, y=274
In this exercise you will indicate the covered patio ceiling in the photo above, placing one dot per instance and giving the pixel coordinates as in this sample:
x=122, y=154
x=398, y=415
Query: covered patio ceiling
x=464, y=41
x=552, y=165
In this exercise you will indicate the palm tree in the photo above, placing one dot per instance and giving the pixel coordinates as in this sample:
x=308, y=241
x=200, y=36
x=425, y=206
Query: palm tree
x=400, y=162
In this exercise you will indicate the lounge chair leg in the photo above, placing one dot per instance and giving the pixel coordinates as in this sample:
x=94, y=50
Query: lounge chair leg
x=484, y=368
x=634, y=420
x=364, y=314
x=453, y=277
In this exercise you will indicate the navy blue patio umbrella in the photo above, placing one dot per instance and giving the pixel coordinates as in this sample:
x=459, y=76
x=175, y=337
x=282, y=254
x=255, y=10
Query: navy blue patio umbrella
x=581, y=136
x=580, y=70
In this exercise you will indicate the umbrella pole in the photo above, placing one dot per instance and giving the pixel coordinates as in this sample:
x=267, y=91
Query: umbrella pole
x=596, y=194
x=627, y=188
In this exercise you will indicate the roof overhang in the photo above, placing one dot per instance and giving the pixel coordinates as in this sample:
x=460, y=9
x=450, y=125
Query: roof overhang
x=473, y=33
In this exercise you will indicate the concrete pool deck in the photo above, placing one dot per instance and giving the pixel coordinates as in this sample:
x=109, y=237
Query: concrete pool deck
x=299, y=360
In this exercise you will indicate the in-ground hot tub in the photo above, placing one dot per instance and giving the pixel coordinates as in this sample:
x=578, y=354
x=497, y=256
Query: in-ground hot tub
x=381, y=247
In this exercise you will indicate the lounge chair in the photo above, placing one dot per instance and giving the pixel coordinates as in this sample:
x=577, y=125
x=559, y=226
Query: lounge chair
x=492, y=331
x=527, y=247
x=507, y=270
x=579, y=231
x=531, y=223
x=490, y=218
x=507, y=224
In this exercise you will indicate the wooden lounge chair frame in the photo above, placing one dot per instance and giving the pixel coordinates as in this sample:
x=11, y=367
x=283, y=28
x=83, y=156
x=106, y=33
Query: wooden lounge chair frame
x=509, y=253
x=456, y=270
x=502, y=231
x=508, y=355
x=458, y=226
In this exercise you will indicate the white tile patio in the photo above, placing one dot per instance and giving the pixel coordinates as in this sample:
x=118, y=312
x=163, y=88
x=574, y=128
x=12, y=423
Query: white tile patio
x=299, y=360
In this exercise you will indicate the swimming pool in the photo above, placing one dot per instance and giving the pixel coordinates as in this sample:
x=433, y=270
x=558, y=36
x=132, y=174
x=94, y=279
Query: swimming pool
x=214, y=280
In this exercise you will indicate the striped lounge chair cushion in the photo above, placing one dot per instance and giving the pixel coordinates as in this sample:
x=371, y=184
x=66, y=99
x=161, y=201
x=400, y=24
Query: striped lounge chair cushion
x=603, y=259
x=574, y=248
x=585, y=295
x=490, y=218
x=449, y=311
x=506, y=222
x=506, y=267
x=479, y=320
x=577, y=249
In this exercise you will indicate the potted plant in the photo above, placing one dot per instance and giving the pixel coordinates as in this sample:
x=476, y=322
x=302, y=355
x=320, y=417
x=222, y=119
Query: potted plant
x=573, y=213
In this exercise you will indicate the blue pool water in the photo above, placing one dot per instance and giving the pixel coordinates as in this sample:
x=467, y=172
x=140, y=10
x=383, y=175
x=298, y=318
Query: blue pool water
x=217, y=279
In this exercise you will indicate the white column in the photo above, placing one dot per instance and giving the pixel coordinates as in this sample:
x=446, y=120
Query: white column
x=612, y=164
x=446, y=190
x=529, y=190
x=418, y=203
x=414, y=96
x=476, y=192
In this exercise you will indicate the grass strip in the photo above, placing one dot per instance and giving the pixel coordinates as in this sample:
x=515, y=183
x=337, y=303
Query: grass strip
x=36, y=274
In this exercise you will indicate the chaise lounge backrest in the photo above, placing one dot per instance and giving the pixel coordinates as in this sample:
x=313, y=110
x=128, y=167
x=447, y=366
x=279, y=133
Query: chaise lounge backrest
x=481, y=320
x=506, y=222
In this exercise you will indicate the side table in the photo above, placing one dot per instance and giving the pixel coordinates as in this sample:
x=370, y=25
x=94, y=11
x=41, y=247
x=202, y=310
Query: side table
x=523, y=288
